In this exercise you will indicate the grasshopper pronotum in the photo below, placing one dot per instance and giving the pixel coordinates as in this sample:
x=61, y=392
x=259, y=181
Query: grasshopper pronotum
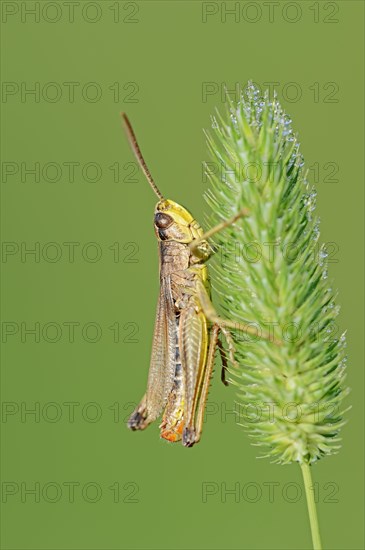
x=184, y=345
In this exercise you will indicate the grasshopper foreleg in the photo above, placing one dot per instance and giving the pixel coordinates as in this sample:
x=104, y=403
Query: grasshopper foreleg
x=196, y=242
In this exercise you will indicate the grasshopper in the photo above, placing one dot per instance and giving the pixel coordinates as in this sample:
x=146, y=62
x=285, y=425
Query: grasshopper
x=187, y=327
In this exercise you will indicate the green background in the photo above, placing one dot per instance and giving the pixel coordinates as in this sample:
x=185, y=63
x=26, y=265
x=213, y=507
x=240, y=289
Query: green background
x=169, y=52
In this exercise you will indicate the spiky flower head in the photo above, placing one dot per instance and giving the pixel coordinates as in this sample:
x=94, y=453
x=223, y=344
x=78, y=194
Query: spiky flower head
x=271, y=275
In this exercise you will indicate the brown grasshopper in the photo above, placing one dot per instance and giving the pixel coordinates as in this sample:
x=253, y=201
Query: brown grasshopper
x=184, y=344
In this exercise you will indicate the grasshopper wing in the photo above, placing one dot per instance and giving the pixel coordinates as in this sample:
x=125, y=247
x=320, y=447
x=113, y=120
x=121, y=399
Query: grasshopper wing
x=162, y=366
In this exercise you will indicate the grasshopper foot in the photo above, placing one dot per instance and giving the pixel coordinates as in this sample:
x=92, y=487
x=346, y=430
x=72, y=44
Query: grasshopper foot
x=188, y=438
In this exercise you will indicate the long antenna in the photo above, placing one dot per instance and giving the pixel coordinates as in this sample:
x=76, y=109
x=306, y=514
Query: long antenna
x=137, y=151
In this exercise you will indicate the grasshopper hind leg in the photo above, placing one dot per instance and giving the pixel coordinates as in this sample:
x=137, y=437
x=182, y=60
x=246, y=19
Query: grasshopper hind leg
x=189, y=436
x=224, y=362
x=192, y=433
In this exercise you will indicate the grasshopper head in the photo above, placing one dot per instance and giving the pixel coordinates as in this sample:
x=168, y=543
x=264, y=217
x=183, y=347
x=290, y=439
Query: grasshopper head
x=174, y=223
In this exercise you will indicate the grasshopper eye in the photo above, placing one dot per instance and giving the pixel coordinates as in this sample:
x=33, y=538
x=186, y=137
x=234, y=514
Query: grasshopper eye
x=163, y=221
